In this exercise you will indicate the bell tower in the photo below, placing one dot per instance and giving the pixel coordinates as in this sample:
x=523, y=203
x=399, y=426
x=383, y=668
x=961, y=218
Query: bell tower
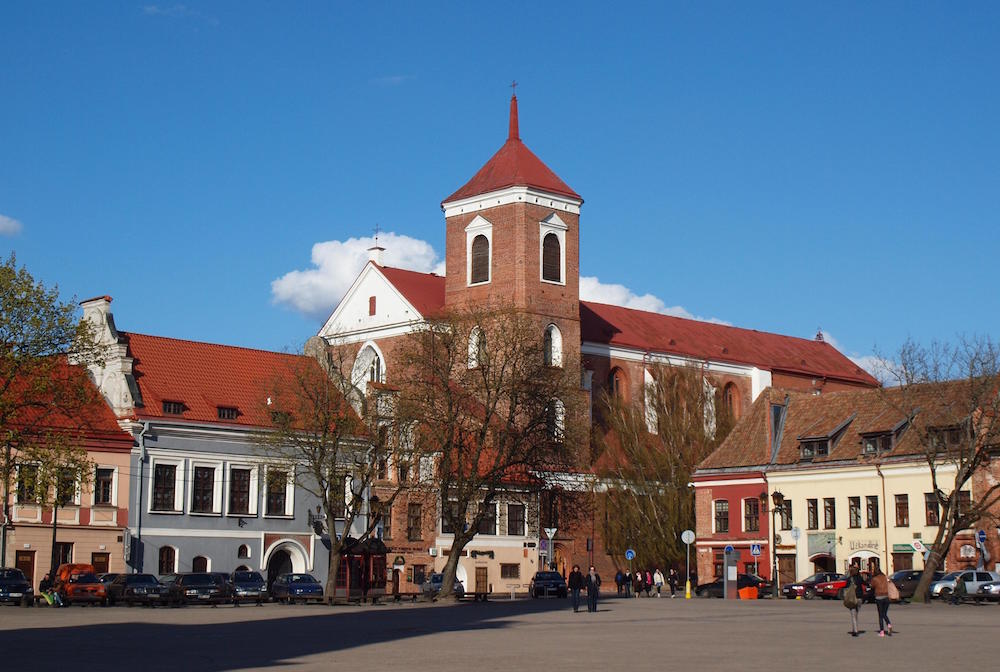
x=513, y=236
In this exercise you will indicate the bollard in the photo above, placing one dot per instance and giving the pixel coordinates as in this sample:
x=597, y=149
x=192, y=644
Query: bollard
x=687, y=589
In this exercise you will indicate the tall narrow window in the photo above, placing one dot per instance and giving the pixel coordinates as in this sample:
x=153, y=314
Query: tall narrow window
x=617, y=385
x=555, y=420
x=103, y=486
x=812, y=514
x=199, y=563
x=277, y=482
x=515, y=520
x=932, y=509
x=731, y=397
x=552, y=346
x=27, y=483
x=551, y=258
x=902, y=511
x=871, y=504
x=488, y=524
x=168, y=560
x=203, y=489
x=751, y=514
x=371, y=305
x=239, y=491
x=721, y=516
x=829, y=513
x=164, y=487
x=854, y=511
x=480, y=259
x=477, y=347
x=413, y=522
x=786, y=515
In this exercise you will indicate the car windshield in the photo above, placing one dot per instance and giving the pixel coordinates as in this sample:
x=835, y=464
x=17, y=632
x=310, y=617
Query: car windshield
x=142, y=580
x=11, y=574
x=246, y=577
x=200, y=580
x=83, y=578
x=301, y=578
x=548, y=576
x=814, y=578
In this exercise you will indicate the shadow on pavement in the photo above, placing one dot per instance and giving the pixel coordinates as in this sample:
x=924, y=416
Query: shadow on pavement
x=199, y=647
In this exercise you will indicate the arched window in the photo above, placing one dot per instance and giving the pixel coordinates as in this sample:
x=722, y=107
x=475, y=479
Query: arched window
x=551, y=258
x=243, y=552
x=555, y=420
x=553, y=346
x=617, y=384
x=480, y=259
x=731, y=397
x=477, y=347
x=199, y=564
x=375, y=370
x=168, y=560
x=368, y=368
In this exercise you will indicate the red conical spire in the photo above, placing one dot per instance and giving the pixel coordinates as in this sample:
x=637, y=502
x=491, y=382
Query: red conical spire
x=513, y=133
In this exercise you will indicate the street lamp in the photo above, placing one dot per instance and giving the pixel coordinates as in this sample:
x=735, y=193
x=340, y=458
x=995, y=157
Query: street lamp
x=778, y=500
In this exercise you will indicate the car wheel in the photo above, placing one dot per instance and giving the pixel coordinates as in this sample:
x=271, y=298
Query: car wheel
x=810, y=594
x=945, y=592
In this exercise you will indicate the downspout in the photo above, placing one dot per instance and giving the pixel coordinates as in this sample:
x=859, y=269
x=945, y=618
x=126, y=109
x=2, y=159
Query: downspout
x=885, y=521
x=141, y=438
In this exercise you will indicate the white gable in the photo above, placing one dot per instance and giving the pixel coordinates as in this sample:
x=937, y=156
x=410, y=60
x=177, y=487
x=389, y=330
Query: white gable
x=351, y=321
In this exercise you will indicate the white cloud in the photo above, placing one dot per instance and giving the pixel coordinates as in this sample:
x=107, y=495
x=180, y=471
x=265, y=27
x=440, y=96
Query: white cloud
x=878, y=367
x=9, y=226
x=592, y=289
x=336, y=264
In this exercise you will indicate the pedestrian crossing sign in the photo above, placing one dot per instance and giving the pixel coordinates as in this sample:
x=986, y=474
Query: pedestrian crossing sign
x=755, y=550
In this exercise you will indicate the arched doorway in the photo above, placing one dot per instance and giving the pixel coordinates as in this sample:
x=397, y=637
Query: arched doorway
x=279, y=563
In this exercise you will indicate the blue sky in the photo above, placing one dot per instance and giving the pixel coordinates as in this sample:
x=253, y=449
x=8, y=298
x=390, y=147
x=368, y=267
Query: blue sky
x=779, y=166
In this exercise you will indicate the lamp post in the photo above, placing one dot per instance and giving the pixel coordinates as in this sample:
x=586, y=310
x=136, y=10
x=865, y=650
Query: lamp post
x=778, y=500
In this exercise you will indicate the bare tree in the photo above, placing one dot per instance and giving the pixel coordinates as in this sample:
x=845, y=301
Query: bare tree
x=948, y=394
x=651, y=448
x=39, y=334
x=492, y=409
x=330, y=439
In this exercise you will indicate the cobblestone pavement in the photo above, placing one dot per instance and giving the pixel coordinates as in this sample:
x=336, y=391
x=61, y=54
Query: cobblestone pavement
x=643, y=634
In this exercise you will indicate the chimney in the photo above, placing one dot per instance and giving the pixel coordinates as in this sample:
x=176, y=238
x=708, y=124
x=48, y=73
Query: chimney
x=375, y=254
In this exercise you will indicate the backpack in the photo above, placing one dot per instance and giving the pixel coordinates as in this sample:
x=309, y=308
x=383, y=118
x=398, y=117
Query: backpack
x=851, y=596
x=893, y=592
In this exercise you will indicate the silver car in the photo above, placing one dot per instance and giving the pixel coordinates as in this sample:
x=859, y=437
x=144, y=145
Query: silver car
x=972, y=578
x=990, y=591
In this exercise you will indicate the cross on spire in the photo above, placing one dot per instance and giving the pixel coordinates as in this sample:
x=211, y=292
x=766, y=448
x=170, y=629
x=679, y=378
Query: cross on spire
x=513, y=133
x=513, y=88
x=377, y=231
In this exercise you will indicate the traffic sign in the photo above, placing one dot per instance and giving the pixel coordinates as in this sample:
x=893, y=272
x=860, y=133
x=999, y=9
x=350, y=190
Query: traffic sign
x=550, y=532
x=729, y=548
x=918, y=546
x=981, y=536
x=687, y=536
x=629, y=554
x=755, y=550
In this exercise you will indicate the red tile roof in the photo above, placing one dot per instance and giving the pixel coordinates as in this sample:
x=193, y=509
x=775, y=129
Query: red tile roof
x=425, y=291
x=514, y=165
x=204, y=376
x=654, y=332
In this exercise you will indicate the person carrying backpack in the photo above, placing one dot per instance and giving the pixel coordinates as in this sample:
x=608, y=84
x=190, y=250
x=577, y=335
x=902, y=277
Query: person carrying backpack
x=853, y=592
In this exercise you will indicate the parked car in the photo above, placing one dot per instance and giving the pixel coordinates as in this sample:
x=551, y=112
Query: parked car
x=547, y=583
x=989, y=591
x=15, y=587
x=78, y=584
x=807, y=587
x=202, y=588
x=293, y=588
x=906, y=581
x=132, y=589
x=973, y=578
x=716, y=588
x=432, y=586
x=248, y=587
x=107, y=577
x=834, y=590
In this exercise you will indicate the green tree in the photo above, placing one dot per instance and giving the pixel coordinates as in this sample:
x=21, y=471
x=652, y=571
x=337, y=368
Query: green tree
x=39, y=335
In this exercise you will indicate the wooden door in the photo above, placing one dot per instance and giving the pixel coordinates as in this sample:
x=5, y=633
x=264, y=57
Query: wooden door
x=101, y=562
x=902, y=561
x=25, y=561
x=786, y=569
x=482, y=578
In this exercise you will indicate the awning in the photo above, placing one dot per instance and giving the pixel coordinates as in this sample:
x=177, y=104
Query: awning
x=902, y=548
x=816, y=556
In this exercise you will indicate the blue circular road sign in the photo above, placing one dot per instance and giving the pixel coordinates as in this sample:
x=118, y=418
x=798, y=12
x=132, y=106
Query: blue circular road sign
x=630, y=554
x=981, y=535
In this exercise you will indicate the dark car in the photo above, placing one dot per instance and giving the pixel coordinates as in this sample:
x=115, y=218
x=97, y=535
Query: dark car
x=15, y=588
x=107, y=578
x=715, y=588
x=432, y=586
x=544, y=584
x=132, y=589
x=202, y=588
x=293, y=588
x=807, y=587
x=248, y=587
x=906, y=581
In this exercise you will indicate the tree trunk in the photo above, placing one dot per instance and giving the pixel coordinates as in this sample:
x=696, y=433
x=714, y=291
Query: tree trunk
x=451, y=567
x=330, y=589
x=55, y=527
x=934, y=560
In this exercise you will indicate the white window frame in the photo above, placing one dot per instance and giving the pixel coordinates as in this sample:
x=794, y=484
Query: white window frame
x=476, y=335
x=552, y=224
x=524, y=520
x=730, y=511
x=17, y=481
x=557, y=349
x=114, y=485
x=289, y=491
x=217, y=488
x=179, y=491
x=359, y=370
x=177, y=558
x=254, y=487
x=478, y=226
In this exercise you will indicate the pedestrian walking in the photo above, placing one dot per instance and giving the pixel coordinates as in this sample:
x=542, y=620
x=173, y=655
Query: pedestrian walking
x=853, y=592
x=880, y=586
x=593, y=580
x=637, y=583
x=575, y=586
x=658, y=580
x=618, y=581
x=627, y=583
x=673, y=580
x=648, y=583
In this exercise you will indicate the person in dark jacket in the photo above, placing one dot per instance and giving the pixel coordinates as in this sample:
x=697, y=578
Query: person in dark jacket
x=880, y=586
x=855, y=583
x=593, y=581
x=673, y=579
x=618, y=581
x=637, y=583
x=575, y=586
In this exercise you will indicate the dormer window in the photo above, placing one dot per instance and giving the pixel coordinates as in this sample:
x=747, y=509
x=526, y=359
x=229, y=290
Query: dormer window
x=815, y=448
x=878, y=443
x=173, y=407
x=227, y=412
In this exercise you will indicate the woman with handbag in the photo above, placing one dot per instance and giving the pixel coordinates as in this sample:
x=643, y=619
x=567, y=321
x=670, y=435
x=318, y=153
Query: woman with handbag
x=880, y=586
x=853, y=592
